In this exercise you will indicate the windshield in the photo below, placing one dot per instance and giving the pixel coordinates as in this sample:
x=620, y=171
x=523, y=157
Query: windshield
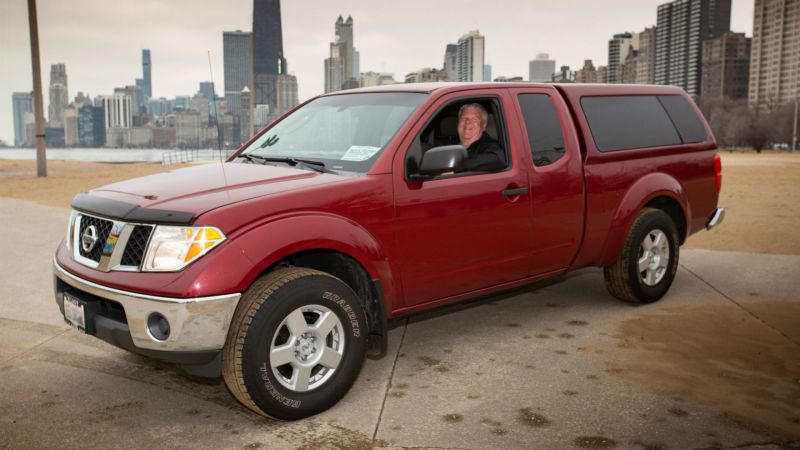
x=345, y=132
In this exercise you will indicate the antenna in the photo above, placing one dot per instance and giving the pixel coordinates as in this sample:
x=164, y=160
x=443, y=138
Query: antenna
x=214, y=103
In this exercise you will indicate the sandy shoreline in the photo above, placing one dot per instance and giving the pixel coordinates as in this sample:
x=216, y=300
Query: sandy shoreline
x=761, y=194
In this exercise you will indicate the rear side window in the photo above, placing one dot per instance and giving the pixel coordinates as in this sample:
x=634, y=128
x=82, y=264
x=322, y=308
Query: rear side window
x=626, y=122
x=685, y=119
x=544, y=129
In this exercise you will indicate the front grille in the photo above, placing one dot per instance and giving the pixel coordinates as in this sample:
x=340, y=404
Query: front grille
x=102, y=228
x=137, y=243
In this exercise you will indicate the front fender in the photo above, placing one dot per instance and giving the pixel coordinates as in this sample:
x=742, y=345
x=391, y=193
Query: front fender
x=286, y=235
x=638, y=195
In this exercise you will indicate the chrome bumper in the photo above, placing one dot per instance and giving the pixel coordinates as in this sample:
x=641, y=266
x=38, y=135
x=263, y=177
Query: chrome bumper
x=716, y=218
x=196, y=324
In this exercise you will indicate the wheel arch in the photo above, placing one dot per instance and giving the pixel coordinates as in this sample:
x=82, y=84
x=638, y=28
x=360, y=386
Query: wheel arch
x=333, y=245
x=655, y=190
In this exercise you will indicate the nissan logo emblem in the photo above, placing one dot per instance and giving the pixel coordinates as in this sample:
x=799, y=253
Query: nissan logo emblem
x=88, y=238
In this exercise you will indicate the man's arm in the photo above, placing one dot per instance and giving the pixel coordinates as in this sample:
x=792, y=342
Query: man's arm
x=490, y=157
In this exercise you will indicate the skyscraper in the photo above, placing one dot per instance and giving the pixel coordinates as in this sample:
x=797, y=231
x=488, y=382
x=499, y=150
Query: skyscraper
x=450, y=62
x=341, y=67
x=118, y=110
x=618, y=48
x=91, y=126
x=287, y=94
x=541, y=69
x=775, y=55
x=682, y=27
x=246, y=116
x=147, y=85
x=726, y=67
x=470, y=57
x=236, y=56
x=267, y=47
x=22, y=102
x=59, y=95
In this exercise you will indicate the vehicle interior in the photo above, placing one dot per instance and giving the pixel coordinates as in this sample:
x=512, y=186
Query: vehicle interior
x=442, y=129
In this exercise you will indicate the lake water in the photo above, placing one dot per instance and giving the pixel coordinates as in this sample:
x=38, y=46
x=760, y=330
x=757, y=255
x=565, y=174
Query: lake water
x=116, y=154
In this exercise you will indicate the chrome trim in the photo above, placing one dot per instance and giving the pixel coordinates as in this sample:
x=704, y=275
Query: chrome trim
x=108, y=260
x=716, y=218
x=196, y=324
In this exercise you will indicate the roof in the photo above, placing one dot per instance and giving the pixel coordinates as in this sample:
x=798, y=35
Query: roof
x=572, y=89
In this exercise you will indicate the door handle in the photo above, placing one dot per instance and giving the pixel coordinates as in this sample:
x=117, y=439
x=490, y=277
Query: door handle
x=514, y=192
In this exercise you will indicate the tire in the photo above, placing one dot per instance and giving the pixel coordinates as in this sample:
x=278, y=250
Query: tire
x=649, y=259
x=276, y=360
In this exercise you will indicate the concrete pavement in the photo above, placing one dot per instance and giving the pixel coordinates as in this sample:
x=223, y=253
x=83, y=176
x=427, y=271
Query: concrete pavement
x=715, y=364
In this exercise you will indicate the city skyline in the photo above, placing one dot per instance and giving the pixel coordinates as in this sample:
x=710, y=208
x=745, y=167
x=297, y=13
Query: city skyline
x=101, y=53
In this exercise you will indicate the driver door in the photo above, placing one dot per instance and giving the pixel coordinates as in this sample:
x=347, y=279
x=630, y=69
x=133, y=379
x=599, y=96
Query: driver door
x=463, y=232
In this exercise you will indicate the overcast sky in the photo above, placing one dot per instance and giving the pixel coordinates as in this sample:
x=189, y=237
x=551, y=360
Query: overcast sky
x=100, y=41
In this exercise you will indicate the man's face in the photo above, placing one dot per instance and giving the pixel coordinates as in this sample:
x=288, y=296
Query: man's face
x=470, y=126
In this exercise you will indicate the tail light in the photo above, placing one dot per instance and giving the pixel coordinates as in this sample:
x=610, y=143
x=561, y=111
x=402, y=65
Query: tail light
x=718, y=172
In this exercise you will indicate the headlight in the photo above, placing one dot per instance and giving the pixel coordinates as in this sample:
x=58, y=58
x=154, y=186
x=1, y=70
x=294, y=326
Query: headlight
x=173, y=248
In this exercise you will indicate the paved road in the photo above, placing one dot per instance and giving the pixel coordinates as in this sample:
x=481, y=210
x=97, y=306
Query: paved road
x=715, y=364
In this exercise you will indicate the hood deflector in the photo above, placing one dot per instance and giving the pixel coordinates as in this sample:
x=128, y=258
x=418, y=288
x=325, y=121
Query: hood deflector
x=115, y=209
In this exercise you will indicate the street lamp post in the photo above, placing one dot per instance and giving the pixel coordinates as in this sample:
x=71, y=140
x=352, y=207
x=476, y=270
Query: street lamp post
x=794, y=126
x=41, y=156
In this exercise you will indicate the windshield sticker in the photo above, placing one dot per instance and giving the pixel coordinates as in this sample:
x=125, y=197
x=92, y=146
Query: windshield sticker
x=359, y=153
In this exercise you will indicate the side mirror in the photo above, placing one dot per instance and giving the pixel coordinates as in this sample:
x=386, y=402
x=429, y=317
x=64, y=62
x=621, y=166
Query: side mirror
x=439, y=160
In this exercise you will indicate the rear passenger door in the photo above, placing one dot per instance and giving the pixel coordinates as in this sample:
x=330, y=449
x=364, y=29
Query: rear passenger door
x=556, y=177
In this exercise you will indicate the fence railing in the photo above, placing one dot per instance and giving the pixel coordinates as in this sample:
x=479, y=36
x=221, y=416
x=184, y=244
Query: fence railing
x=186, y=156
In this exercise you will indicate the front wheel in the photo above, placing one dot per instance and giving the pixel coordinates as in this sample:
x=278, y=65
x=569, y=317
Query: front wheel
x=296, y=344
x=649, y=259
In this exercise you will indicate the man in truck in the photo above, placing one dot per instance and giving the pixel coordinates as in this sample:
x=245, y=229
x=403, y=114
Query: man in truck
x=485, y=154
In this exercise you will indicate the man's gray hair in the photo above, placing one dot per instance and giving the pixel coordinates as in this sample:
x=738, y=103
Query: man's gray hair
x=479, y=107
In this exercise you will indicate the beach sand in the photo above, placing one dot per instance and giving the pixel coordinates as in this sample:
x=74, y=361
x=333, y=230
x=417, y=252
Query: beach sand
x=761, y=194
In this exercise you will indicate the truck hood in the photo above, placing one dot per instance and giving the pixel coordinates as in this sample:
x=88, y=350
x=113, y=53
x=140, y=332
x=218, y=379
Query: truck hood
x=201, y=188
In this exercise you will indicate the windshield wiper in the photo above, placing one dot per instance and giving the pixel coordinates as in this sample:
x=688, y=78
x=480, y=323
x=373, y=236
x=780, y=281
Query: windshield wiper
x=307, y=163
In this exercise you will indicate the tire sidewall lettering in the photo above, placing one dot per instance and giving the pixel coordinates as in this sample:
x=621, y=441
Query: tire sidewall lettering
x=266, y=378
x=352, y=318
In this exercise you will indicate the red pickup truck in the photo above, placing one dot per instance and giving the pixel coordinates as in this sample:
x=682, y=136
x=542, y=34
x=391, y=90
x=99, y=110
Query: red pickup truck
x=279, y=268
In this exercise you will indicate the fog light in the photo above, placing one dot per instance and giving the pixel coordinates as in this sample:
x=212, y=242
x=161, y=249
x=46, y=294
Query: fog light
x=158, y=326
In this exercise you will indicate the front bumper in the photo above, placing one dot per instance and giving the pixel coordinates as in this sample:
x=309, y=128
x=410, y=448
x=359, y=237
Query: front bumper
x=198, y=326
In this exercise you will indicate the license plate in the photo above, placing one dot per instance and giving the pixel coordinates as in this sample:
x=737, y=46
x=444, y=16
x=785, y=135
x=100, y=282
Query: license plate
x=73, y=312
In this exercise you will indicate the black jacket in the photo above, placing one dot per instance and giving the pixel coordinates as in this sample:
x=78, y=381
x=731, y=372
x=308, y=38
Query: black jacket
x=486, y=155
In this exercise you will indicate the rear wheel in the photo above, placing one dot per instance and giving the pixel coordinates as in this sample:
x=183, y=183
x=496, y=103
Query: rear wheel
x=296, y=344
x=649, y=259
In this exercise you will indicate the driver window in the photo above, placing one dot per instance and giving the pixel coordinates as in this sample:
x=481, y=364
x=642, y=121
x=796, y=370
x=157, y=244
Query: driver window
x=480, y=127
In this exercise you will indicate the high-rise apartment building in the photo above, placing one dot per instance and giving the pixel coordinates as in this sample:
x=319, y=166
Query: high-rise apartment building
x=267, y=60
x=682, y=26
x=341, y=67
x=378, y=79
x=590, y=74
x=487, y=72
x=470, y=57
x=646, y=57
x=21, y=102
x=236, y=56
x=59, y=95
x=450, y=62
x=726, y=67
x=638, y=65
x=775, y=54
x=618, y=49
x=541, y=69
